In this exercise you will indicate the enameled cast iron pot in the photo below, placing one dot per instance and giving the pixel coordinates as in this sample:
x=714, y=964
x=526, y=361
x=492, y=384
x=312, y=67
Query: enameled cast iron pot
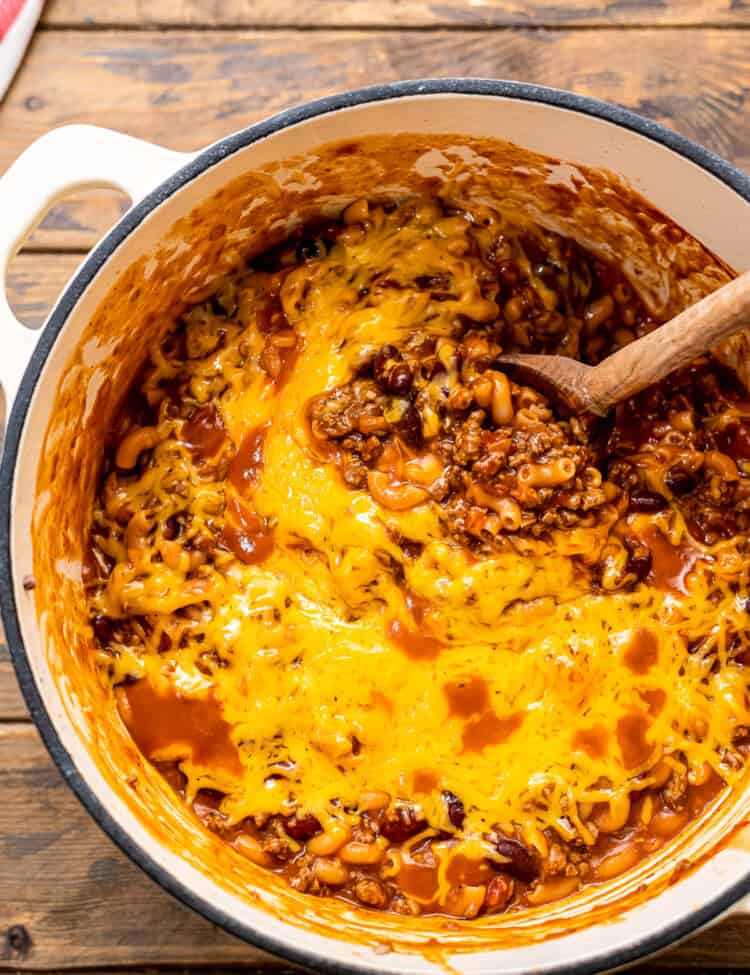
x=60, y=382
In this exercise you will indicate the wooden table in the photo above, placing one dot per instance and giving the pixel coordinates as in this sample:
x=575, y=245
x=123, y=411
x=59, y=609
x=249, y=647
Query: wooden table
x=183, y=73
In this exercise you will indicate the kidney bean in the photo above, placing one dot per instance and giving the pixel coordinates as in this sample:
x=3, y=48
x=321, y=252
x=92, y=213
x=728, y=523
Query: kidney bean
x=204, y=432
x=409, y=427
x=401, y=823
x=302, y=827
x=456, y=810
x=386, y=356
x=680, y=482
x=391, y=373
x=523, y=862
x=646, y=502
x=174, y=526
x=399, y=379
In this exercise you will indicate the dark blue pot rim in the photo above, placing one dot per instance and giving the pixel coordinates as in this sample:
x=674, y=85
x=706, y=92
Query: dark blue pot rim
x=669, y=933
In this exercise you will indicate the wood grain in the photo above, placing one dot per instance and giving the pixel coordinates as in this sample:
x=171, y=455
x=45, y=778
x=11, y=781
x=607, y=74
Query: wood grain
x=35, y=281
x=79, y=221
x=187, y=88
x=88, y=906
x=12, y=707
x=69, y=900
x=393, y=13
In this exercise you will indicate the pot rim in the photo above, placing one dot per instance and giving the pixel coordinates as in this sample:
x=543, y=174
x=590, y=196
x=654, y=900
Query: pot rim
x=607, y=959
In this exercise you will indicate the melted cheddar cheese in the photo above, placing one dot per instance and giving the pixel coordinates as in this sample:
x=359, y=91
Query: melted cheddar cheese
x=533, y=697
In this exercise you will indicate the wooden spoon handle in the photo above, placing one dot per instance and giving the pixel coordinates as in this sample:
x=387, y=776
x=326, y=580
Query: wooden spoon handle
x=691, y=333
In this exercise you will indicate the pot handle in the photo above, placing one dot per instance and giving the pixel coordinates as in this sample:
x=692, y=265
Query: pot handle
x=70, y=158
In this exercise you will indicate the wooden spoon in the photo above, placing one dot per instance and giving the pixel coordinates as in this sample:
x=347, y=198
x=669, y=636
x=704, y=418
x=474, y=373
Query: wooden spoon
x=597, y=389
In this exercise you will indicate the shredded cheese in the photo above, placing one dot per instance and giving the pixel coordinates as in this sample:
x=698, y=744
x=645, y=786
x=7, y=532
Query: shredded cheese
x=322, y=703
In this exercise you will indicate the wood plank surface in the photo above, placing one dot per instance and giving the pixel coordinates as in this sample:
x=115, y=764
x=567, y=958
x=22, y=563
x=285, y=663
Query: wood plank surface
x=393, y=13
x=186, y=88
x=187, y=72
x=88, y=906
x=34, y=281
x=12, y=707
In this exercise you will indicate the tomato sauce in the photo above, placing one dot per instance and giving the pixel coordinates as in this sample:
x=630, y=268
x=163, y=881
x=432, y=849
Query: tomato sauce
x=642, y=653
x=425, y=781
x=468, y=697
x=169, y=726
x=204, y=432
x=247, y=463
x=655, y=699
x=246, y=535
x=592, y=740
x=420, y=879
x=631, y=737
x=670, y=564
x=489, y=729
x=416, y=645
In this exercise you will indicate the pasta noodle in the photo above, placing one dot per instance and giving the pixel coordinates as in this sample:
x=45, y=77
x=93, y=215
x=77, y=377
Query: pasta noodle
x=390, y=623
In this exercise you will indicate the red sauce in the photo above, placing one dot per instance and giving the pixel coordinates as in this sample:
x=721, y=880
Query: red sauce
x=379, y=700
x=642, y=652
x=631, y=736
x=246, y=534
x=417, y=605
x=670, y=564
x=489, y=729
x=204, y=432
x=467, y=698
x=418, y=646
x=271, y=316
x=592, y=740
x=184, y=727
x=425, y=781
x=247, y=463
x=655, y=700
x=419, y=880
x=288, y=355
x=464, y=870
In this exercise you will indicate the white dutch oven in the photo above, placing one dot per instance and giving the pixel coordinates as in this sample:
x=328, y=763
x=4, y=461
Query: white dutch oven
x=702, y=193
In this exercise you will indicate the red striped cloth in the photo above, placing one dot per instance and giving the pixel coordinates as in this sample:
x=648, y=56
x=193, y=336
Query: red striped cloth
x=17, y=22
